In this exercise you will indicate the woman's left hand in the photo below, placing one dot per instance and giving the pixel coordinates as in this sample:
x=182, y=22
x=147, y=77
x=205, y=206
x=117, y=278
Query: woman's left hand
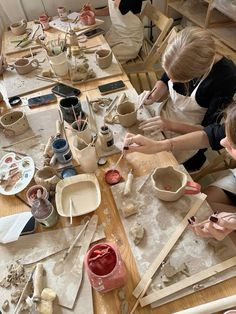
x=217, y=226
x=154, y=124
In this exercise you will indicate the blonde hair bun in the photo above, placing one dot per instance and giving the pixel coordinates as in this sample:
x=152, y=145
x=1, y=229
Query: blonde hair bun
x=189, y=55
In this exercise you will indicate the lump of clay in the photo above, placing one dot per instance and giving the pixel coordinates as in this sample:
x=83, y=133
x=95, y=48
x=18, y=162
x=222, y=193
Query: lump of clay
x=5, y=306
x=129, y=210
x=46, y=304
x=137, y=232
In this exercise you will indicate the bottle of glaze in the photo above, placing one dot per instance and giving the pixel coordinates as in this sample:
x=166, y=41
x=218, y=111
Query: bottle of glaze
x=106, y=138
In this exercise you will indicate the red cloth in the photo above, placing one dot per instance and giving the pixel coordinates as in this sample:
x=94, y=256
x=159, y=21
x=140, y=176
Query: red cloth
x=102, y=260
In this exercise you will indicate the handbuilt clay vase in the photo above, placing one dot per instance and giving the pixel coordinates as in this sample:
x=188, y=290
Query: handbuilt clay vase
x=103, y=58
x=47, y=178
x=126, y=114
x=19, y=28
x=170, y=184
x=24, y=66
x=14, y=123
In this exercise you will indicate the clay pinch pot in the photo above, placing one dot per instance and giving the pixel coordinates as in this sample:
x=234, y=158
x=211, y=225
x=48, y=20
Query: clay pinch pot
x=14, y=123
x=19, y=28
x=24, y=66
x=103, y=58
x=170, y=184
x=47, y=177
x=126, y=114
x=87, y=17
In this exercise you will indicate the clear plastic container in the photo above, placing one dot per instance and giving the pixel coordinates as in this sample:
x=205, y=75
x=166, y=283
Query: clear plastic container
x=105, y=267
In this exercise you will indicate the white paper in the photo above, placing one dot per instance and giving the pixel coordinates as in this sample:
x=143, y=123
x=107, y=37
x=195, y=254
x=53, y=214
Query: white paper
x=11, y=226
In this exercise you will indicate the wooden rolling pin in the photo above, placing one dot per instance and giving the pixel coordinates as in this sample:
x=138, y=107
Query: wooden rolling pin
x=211, y=307
x=38, y=282
x=128, y=183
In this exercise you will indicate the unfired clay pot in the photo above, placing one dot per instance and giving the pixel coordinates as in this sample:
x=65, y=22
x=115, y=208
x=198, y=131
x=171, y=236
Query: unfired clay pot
x=47, y=177
x=126, y=114
x=24, y=66
x=170, y=184
x=103, y=58
x=14, y=123
x=19, y=28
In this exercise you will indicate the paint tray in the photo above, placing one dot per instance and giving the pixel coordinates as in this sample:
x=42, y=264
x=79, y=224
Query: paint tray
x=83, y=190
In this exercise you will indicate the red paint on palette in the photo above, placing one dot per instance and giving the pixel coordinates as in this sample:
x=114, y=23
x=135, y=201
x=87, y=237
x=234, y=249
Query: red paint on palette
x=8, y=160
x=112, y=176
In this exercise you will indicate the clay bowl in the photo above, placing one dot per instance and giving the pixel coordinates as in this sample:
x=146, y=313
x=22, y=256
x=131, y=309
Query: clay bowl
x=14, y=122
x=112, y=176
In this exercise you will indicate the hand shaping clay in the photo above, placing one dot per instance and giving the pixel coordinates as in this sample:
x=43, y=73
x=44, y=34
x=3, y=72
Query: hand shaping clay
x=129, y=210
x=137, y=232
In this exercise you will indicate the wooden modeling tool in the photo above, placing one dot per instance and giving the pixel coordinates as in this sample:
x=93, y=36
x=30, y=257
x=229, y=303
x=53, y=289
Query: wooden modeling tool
x=59, y=267
x=118, y=161
x=71, y=209
x=76, y=120
x=92, y=120
x=144, y=182
x=21, y=141
x=38, y=282
x=128, y=184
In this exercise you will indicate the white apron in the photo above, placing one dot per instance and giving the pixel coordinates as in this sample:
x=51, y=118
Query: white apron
x=226, y=180
x=126, y=34
x=181, y=109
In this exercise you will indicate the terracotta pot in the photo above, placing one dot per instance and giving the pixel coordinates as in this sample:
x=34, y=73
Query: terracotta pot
x=14, y=123
x=170, y=184
x=19, y=28
x=47, y=178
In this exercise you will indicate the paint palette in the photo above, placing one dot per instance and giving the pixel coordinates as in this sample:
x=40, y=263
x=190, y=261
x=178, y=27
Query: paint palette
x=15, y=174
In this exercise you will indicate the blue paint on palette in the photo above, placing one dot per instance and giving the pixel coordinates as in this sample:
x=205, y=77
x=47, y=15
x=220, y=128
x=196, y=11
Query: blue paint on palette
x=26, y=175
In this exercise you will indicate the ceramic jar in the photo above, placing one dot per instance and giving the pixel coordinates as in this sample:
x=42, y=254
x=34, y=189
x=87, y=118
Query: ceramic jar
x=47, y=178
x=103, y=58
x=85, y=133
x=44, y=212
x=24, y=66
x=19, y=28
x=14, y=123
x=66, y=105
x=31, y=194
x=61, y=150
x=105, y=267
x=85, y=155
x=106, y=138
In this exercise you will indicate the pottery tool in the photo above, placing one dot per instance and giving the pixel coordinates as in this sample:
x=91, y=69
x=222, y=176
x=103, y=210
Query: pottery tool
x=47, y=79
x=21, y=141
x=23, y=291
x=58, y=267
x=84, y=124
x=128, y=184
x=144, y=182
x=150, y=273
x=76, y=120
x=111, y=104
x=92, y=120
x=118, y=161
x=71, y=208
x=38, y=282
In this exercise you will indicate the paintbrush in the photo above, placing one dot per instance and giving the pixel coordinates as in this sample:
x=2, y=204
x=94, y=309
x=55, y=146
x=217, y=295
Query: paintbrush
x=209, y=220
x=118, y=161
x=76, y=120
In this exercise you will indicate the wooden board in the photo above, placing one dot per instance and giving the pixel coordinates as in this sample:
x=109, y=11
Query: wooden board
x=17, y=85
x=41, y=244
x=160, y=220
x=64, y=26
x=10, y=47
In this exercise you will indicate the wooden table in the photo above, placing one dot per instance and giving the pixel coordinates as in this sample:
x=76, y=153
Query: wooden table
x=141, y=164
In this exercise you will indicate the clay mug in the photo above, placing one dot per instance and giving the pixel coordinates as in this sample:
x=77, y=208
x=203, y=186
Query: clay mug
x=19, y=28
x=24, y=66
x=170, y=184
x=67, y=105
x=14, y=123
x=103, y=58
x=3, y=64
x=47, y=178
x=126, y=114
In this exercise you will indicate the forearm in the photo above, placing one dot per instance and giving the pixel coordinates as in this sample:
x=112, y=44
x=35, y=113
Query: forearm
x=182, y=128
x=160, y=90
x=102, y=11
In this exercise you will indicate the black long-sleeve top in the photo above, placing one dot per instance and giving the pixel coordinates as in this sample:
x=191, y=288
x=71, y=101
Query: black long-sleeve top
x=215, y=133
x=134, y=6
x=215, y=92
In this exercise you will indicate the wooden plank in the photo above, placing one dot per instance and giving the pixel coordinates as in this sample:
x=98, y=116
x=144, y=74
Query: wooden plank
x=169, y=245
x=189, y=281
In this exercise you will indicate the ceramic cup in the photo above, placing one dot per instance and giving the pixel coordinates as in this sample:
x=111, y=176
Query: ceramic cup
x=14, y=123
x=47, y=178
x=87, y=17
x=85, y=133
x=24, y=66
x=62, y=13
x=19, y=28
x=85, y=155
x=103, y=58
x=31, y=193
x=170, y=184
x=44, y=21
x=59, y=64
x=126, y=114
x=67, y=110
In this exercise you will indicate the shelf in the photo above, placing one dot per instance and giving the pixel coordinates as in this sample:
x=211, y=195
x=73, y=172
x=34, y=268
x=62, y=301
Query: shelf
x=218, y=22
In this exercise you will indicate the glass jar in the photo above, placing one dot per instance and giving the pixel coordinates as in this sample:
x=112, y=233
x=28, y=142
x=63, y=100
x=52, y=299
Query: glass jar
x=44, y=212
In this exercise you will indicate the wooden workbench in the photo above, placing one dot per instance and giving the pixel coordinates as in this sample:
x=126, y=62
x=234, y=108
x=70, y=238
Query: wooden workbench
x=141, y=164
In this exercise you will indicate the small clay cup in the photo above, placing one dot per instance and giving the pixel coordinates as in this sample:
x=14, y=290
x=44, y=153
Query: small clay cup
x=24, y=66
x=103, y=58
x=47, y=178
x=19, y=28
x=14, y=123
x=126, y=114
x=170, y=184
x=31, y=194
x=67, y=111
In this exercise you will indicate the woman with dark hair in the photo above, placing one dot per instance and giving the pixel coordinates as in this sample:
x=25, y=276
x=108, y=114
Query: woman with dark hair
x=221, y=195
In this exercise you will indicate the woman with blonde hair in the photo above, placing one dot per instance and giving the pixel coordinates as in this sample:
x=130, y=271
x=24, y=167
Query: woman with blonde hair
x=221, y=195
x=200, y=83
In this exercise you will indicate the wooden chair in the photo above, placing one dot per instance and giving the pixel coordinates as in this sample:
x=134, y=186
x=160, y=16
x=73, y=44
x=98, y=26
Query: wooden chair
x=143, y=75
x=148, y=54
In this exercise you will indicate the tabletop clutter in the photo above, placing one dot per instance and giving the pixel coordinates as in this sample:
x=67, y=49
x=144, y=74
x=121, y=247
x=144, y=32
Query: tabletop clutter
x=58, y=190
